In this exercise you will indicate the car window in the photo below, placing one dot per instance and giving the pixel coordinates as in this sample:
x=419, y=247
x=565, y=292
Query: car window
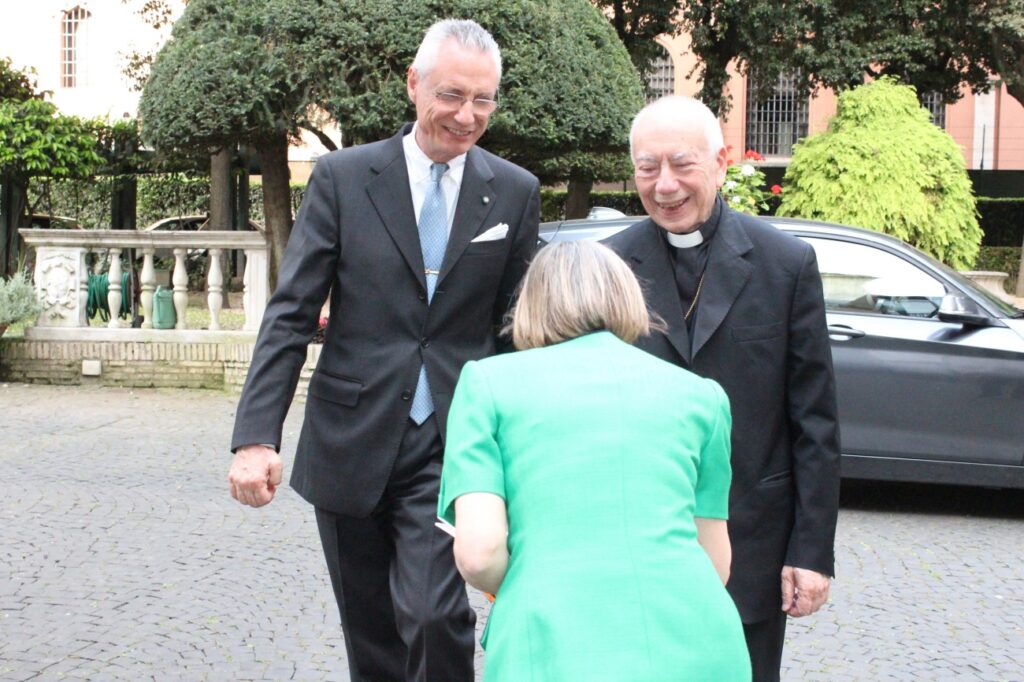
x=865, y=279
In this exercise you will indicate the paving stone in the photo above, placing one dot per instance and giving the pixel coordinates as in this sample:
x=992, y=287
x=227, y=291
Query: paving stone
x=123, y=557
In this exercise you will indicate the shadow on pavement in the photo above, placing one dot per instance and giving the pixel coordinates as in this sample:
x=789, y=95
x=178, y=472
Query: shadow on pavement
x=919, y=498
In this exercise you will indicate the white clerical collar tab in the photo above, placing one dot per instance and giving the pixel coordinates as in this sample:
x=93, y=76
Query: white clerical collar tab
x=685, y=241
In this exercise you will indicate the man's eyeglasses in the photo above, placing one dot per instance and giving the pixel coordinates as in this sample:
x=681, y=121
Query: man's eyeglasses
x=453, y=100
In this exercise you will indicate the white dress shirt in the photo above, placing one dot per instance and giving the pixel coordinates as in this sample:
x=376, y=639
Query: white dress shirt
x=418, y=165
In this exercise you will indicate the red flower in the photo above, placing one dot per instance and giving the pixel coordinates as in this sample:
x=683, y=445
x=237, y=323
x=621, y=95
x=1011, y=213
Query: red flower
x=729, y=162
x=776, y=189
x=753, y=156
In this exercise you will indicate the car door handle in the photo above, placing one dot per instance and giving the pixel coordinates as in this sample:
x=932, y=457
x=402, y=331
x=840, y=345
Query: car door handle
x=844, y=330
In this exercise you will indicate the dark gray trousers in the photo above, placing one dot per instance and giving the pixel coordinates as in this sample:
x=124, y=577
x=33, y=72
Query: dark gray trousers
x=404, y=609
x=764, y=642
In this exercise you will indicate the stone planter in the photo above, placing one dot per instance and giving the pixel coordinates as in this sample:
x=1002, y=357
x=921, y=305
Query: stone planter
x=992, y=281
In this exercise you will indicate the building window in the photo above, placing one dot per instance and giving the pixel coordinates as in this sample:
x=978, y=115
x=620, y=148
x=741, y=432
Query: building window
x=932, y=101
x=662, y=78
x=72, y=43
x=776, y=123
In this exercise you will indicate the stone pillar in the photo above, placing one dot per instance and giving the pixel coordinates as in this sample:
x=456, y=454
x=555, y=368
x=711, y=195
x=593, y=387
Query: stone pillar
x=215, y=287
x=59, y=277
x=257, y=287
x=180, y=281
x=148, y=287
x=114, y=294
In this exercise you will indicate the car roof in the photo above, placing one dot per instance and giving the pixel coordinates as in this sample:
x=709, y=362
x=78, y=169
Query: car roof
x=585, y=228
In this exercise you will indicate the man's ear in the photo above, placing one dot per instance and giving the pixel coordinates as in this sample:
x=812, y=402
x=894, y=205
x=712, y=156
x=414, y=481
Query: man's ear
x=721, y=164
x=412, y=79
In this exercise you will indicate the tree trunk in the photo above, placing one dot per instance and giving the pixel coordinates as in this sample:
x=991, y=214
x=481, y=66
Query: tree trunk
x=13, y=195
x=220, y=190
x=221, y=213
x=277, y=208
x=577, y=198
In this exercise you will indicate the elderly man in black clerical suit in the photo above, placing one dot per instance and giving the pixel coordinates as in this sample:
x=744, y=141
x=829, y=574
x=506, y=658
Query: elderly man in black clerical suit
x=420, y=240
x=743, y=305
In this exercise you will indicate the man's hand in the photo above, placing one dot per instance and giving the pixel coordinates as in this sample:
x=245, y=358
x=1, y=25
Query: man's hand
x=255, y=474
x=803, y=591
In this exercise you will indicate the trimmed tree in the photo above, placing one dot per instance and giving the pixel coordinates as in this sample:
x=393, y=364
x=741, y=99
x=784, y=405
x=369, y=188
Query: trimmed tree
x=883, y=165
x=556, y=118
x=232, y=74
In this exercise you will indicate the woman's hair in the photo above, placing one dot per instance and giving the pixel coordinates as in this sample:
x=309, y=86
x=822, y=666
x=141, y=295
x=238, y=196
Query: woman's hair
x=574, y=288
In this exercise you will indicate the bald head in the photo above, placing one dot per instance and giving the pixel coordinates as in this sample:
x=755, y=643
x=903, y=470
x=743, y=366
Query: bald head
x=679, y=162
x=684, y=112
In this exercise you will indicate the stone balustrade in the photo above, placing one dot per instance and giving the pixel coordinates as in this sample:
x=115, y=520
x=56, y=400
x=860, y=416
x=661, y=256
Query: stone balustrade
x=62, y=275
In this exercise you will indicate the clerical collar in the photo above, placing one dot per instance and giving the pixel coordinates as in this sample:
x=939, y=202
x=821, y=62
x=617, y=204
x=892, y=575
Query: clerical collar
x=685, y=241
x=701, y=234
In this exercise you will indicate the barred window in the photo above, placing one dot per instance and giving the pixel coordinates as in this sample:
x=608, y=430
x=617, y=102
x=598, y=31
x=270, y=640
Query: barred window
x=662, y=78
x=932, y=101
x=777, y=122
x=72, y=42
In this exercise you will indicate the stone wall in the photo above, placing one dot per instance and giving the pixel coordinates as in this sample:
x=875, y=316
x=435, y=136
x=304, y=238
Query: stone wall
x=216, y=365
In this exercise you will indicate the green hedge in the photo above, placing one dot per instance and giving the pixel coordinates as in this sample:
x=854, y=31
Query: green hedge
x=552, y=203
x=1002, y=221
x=160, y=196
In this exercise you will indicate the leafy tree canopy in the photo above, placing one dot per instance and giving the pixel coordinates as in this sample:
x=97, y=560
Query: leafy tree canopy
x=883, y=165
x=35, y=139
x=16, y=85
x=567, y=86
x=934, y=46
x=230, y=73
x=639, y=22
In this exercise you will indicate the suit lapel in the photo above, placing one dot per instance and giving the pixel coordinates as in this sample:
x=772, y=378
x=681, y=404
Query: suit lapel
x=389, y=192
x=476, y=197
x=726, y=274
x=654, y=270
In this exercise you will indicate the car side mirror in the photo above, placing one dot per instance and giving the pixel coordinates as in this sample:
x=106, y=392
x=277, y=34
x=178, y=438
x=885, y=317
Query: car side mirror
x=961, y=310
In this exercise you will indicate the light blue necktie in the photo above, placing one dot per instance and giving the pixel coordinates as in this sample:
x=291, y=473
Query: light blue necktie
x=433, y=229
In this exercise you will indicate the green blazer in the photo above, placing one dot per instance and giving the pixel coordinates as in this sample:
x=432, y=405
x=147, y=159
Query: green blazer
x=603, y=454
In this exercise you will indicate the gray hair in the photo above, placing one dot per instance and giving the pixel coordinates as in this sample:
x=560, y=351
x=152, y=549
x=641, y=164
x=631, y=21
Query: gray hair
x=684, y=108
x=574, y=288
x=465, y=32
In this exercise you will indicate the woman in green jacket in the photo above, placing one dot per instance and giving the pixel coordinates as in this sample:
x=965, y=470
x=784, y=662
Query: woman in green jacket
x=588, y=483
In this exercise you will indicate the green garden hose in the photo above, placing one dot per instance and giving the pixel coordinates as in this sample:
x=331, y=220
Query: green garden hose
x=97, y=300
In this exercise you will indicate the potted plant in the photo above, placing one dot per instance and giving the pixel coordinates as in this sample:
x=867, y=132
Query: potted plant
x=17, y=300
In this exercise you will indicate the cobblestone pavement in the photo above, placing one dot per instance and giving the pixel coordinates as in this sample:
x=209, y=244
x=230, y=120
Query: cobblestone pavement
x=122, y=557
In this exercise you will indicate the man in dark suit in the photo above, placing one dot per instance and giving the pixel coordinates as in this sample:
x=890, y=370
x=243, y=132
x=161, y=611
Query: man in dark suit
x=420, y=241
x=743, y=305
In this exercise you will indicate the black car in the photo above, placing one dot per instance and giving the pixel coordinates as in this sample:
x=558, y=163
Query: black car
x=929, y=365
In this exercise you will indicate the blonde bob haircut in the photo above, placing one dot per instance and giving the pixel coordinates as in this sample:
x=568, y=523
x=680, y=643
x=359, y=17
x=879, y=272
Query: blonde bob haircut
x=574, y=288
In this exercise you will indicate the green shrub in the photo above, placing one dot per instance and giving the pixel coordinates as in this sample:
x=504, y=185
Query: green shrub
x=883, y=165
x=17, y=299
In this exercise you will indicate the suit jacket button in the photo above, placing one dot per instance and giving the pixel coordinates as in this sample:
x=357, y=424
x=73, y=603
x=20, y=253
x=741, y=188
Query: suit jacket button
x=425, y=342
x=406, y=395
x=423, y=295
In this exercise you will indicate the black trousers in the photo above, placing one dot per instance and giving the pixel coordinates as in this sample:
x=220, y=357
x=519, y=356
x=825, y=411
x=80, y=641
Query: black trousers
x=404, y=609
x=764, y=642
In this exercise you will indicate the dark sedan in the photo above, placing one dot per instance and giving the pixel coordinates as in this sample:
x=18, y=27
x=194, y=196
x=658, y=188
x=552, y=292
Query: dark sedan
x=929, y=366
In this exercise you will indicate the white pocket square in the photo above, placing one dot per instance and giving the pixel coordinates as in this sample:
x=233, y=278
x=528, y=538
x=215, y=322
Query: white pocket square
x=492, y=234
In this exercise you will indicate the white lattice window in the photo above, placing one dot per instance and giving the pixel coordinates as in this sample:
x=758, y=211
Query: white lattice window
x=932, y=101
x=72, y=46
x=777, y=122
x=662, y=78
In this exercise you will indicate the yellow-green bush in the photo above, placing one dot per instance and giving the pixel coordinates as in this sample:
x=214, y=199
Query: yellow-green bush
x=883, y=165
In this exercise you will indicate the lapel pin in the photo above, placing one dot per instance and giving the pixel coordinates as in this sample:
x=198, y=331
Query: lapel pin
x=486, y=200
